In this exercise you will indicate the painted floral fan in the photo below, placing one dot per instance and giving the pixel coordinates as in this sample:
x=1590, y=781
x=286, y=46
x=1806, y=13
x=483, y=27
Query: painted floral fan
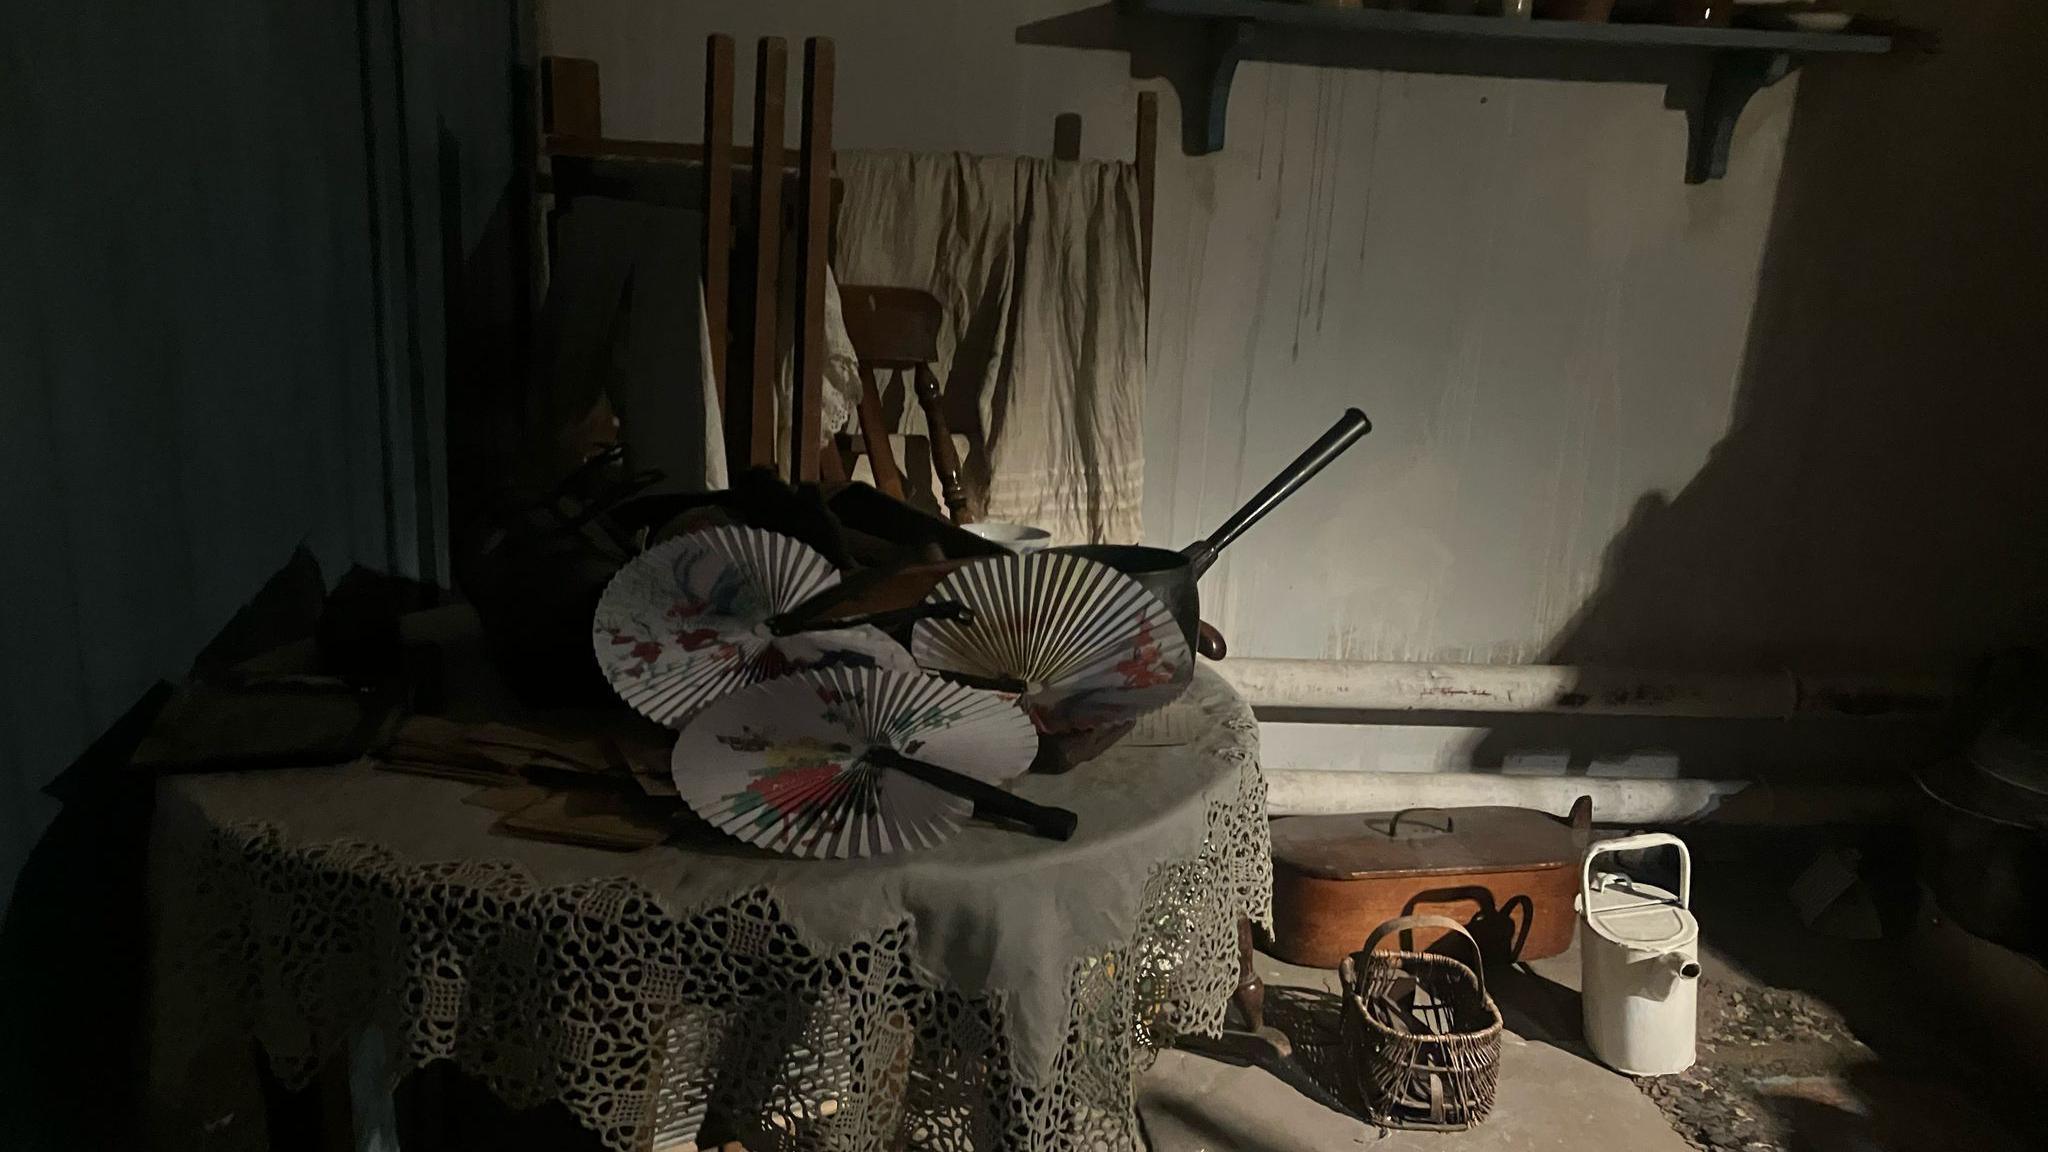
x=703, y=615
x=843, y=762
x=1083, y=645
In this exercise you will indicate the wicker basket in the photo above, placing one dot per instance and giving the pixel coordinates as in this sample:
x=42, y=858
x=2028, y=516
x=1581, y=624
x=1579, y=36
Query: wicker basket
x=1423, y=1035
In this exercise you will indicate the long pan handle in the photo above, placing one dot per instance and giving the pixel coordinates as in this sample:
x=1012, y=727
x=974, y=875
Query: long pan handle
x=1343, y=434
x=990, y=802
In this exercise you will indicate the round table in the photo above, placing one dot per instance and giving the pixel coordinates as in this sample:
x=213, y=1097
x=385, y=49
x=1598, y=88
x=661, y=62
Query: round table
x=994, y=992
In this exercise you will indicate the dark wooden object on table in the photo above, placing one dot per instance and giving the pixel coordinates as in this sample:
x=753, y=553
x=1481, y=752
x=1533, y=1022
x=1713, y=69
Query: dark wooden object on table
x=1509, y=874
x=886, y=589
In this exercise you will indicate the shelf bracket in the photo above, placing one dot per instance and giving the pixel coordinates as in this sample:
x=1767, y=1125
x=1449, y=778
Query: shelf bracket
x=1732, y=79
x=1229, y=41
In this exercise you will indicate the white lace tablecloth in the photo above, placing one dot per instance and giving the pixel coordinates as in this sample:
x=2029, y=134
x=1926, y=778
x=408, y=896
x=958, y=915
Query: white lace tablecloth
x=996, y=992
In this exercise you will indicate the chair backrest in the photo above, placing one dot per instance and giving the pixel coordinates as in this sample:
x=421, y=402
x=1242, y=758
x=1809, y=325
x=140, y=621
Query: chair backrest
x=892, y=327
x=896, y=330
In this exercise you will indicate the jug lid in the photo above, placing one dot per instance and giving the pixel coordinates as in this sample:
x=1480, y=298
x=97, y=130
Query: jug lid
x=1638, y=915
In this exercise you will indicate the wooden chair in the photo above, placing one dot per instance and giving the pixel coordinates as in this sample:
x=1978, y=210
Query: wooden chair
x=895, y=332
x=745, y=213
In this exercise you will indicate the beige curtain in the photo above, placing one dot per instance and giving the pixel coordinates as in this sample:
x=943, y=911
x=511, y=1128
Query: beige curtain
x=1043, y=357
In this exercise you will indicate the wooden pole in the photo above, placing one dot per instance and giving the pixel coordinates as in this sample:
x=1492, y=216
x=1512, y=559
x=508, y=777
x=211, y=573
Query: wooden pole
x=813, y=238
x=1148, y=181
x=570, y=105
x=718, y=208
x=751, y=441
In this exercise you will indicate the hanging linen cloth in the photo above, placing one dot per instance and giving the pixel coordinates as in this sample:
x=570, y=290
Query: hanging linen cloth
x=1038, y=264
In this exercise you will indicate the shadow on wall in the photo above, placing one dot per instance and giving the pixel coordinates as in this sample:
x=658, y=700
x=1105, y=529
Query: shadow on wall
x=218, y=337
x=1877, y=503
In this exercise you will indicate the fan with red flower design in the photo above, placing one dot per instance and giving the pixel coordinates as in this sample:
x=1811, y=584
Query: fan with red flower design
x=697, y=617
x=843, y=762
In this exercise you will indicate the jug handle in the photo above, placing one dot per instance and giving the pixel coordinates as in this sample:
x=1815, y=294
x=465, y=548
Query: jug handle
x=1406, y=923
x=1637, y=843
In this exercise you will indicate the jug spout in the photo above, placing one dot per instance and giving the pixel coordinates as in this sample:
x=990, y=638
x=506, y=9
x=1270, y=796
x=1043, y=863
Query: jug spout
x=1673, y=967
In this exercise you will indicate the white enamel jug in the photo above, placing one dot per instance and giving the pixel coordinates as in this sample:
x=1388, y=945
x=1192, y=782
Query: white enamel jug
x=1640, y=966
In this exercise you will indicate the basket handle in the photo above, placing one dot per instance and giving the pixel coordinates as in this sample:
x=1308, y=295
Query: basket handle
x=1407, y=923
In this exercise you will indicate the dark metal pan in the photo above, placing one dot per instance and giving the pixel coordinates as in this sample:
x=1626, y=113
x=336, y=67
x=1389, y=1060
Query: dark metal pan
x=1174, y=576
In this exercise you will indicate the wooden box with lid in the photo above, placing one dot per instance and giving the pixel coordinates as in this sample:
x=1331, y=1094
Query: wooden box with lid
x=1508, y=873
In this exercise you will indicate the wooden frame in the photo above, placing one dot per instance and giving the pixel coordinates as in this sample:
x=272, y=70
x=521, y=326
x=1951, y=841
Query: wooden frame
x=750, y=425
x=717, y=238
x=718, y=178
x=1146, y=160
x=813, y=247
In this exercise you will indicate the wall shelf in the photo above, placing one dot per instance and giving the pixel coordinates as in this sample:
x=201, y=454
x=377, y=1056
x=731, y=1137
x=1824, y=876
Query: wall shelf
x=1710, y=73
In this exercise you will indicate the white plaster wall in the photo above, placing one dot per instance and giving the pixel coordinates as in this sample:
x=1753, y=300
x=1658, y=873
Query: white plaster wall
x=1510, y=276
x=1544, y=322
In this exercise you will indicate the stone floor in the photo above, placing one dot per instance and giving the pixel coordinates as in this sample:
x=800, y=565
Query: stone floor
x=1809, y=1043
x=1549, y=1098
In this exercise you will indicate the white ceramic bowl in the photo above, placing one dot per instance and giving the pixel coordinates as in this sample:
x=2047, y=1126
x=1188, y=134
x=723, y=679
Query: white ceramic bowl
x=1818, y=21
x=1018, y=538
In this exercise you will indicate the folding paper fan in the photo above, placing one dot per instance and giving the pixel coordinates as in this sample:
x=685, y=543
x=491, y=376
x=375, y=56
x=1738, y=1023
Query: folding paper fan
x=1084, y=645
x=697, y=617
x=843, y=762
